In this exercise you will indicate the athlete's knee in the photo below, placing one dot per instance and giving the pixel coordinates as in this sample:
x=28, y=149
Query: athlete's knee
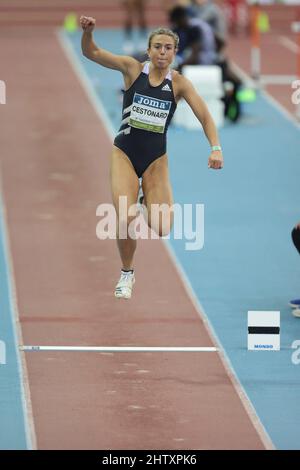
x=162, y=221
x=161, y=230
x=164, y=230
x=125, y=223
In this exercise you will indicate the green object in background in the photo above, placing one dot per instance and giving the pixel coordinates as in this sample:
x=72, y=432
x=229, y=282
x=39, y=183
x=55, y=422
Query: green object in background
x=247, y=95
x=70, y=23
x=263, y=22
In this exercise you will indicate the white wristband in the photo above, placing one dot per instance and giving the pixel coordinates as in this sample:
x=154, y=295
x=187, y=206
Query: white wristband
x=216, y=148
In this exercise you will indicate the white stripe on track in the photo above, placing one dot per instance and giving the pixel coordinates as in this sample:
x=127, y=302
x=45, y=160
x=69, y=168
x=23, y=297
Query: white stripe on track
x=135, y=349
x=30, y=434
x=289, y=44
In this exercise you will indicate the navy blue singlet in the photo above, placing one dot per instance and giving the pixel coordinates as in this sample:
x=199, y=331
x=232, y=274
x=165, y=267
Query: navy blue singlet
x=147, y=112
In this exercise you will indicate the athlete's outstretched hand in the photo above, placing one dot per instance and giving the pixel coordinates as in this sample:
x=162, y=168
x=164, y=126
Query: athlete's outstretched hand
x=87, y=23
x=215, y=160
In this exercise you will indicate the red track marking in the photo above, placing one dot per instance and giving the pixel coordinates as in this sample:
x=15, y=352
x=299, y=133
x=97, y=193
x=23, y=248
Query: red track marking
x=55, y=173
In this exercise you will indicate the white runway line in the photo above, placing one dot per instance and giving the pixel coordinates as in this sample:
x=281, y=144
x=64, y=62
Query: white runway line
x=118, y=349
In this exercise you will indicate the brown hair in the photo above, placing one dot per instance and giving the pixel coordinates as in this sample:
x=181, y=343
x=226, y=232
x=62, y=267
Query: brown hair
x=166, y=32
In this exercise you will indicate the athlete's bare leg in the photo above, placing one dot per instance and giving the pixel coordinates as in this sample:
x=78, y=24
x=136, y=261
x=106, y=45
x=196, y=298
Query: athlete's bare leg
x=132, y=8
x=129, y=12
x=124, y=182
x=140, y=9
x=157, y=190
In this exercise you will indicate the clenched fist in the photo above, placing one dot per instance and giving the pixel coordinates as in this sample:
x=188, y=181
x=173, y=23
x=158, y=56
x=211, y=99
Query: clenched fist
x=215, y=160
x=87, y=23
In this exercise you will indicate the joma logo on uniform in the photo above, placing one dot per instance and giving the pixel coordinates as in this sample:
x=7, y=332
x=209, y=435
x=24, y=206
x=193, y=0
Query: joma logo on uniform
x=147, y=101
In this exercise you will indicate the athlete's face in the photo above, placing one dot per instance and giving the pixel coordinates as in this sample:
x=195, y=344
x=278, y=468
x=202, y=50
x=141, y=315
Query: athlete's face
x=162, y=51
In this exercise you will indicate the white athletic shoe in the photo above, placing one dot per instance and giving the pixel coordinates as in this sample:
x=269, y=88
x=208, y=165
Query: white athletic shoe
x=124, y=287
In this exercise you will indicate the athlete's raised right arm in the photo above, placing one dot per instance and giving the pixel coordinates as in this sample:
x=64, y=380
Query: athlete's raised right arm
x=124, y=64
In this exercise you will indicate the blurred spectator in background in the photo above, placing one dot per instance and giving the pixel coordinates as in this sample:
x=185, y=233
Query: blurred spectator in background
x=209, y=12
x=197, y=44
x=295, y=304
x=201, y=44
x=238, y=16
x=134, y=8
x=232, y=85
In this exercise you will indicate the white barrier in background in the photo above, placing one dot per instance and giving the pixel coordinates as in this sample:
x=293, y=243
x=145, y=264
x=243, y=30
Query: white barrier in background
x=207, y=80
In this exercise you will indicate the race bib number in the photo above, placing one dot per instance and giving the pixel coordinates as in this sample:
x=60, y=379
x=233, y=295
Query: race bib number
x=149, y=114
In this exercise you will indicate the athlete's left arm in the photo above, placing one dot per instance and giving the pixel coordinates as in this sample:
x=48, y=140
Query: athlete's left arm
x=187, y=91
